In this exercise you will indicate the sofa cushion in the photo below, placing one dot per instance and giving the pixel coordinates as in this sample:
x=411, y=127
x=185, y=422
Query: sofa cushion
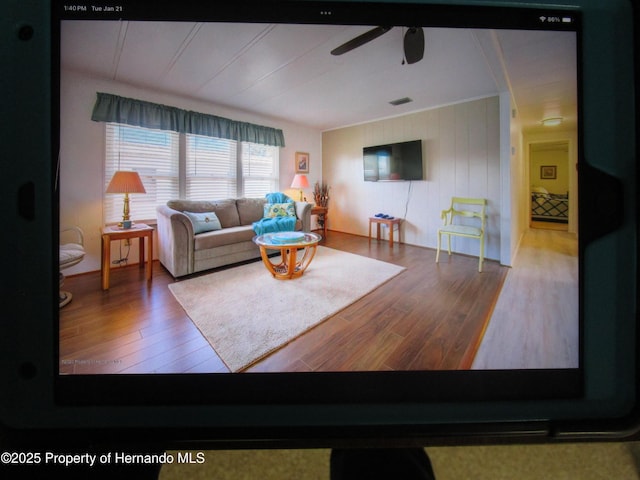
x=250, y=209
x=225, y=210
x=70, y=253
x=204, y=222
x=226, y=236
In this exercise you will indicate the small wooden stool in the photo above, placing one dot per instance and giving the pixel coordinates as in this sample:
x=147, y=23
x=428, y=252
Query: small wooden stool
x=390, y=222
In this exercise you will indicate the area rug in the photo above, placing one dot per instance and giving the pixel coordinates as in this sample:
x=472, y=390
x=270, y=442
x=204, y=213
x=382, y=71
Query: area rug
x=245, y=313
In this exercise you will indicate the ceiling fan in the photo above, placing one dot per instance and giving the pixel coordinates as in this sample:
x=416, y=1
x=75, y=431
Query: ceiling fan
x=413, y=42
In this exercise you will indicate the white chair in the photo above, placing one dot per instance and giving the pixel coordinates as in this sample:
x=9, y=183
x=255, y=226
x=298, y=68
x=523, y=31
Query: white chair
x=457, y=209
x=70, y=254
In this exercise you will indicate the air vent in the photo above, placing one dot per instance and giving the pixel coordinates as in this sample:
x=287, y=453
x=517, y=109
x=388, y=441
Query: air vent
x=400, y=101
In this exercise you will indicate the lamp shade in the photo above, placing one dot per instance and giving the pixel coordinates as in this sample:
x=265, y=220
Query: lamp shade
x=126, y=182
x=300, y=181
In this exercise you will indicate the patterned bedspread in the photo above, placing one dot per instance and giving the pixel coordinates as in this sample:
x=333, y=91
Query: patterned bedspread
x=550, y=207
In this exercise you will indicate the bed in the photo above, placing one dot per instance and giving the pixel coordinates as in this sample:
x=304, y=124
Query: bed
x=549, y=207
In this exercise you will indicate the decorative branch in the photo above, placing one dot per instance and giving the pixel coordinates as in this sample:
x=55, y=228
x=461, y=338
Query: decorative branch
x=321, y=194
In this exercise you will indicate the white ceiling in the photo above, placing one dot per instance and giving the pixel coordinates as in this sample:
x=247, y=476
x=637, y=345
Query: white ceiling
x=286, y=71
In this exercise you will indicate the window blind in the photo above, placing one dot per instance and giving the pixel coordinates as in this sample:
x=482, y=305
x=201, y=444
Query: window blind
x=154, y=154
x=259, y=169
x=208, y=168
x=211, y=168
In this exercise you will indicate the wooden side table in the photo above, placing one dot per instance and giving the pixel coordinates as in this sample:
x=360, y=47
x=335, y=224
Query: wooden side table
x=324, y=212
x=390, y=222
x=109, y=234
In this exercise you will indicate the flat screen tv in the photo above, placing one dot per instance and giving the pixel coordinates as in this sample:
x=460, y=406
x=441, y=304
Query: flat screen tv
x=395, y=161
x=129, y=358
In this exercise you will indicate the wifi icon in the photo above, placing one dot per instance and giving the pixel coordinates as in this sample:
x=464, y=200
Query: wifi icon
x=542, y=19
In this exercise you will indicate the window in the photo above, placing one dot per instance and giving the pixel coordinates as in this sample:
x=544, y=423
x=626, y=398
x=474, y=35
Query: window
x=259, y=169
x=154, y=155
x=212, y=170
x=198, y=168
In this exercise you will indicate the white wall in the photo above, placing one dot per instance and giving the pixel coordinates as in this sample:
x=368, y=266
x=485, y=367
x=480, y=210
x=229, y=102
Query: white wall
x=82, y=152
x=516, y=182
x=461, y=150
x=558, y=157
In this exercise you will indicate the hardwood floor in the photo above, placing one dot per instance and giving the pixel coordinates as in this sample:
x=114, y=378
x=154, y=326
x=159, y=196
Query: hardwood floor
x=432, y=316
x=535, y=323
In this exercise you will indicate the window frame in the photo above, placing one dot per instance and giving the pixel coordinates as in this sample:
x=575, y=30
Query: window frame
x=182, y=187
x=118, y=157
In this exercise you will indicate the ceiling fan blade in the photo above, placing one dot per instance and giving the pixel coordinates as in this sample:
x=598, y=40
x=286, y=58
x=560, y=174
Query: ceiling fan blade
x=414, y=45
x=360, y=40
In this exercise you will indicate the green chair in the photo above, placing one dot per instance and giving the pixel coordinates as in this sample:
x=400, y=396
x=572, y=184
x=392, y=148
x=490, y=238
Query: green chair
x=463, y=208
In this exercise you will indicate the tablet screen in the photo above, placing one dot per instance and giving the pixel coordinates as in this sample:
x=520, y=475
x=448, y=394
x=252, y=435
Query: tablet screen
x=493, y=103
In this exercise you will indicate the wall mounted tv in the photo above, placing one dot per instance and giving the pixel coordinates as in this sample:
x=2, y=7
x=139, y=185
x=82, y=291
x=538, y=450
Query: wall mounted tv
x=395, y=161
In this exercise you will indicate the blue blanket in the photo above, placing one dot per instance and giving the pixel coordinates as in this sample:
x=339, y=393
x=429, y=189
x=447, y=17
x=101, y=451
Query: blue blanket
x=276, y=224
x=278, y=197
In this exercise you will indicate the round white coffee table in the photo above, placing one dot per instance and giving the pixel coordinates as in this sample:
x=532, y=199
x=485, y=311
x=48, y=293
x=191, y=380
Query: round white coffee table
x=296, y=252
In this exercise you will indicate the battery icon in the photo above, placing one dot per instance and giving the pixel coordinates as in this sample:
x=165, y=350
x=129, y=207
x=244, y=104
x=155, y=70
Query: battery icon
x=567, y=20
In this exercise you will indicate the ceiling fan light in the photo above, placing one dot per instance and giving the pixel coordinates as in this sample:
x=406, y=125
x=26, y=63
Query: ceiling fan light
x=552, y=121
x=414, y=45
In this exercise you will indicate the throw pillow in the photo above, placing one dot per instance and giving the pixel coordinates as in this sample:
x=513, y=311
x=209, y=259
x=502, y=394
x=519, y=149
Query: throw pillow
x=272, y=210
x=204, y=222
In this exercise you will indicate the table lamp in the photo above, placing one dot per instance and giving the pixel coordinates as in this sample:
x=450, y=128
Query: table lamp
x=126, y=182
x=300, y=182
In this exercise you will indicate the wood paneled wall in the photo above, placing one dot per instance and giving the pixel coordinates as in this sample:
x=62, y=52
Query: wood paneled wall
x=461, y=155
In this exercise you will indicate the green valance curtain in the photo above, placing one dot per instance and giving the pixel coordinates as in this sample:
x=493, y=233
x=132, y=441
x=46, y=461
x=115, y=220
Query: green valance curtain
x=129, y=111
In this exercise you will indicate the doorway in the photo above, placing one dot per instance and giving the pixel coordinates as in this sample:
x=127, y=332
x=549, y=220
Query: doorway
x=550, y=185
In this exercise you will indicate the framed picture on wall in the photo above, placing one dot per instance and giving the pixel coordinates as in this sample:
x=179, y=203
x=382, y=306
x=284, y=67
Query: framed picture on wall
x=548, y=172
x=302, y=162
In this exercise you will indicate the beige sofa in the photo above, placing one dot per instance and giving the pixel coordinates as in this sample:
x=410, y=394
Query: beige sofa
x=183, y=252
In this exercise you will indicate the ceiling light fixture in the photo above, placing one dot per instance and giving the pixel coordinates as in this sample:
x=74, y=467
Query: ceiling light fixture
x=551, y=121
